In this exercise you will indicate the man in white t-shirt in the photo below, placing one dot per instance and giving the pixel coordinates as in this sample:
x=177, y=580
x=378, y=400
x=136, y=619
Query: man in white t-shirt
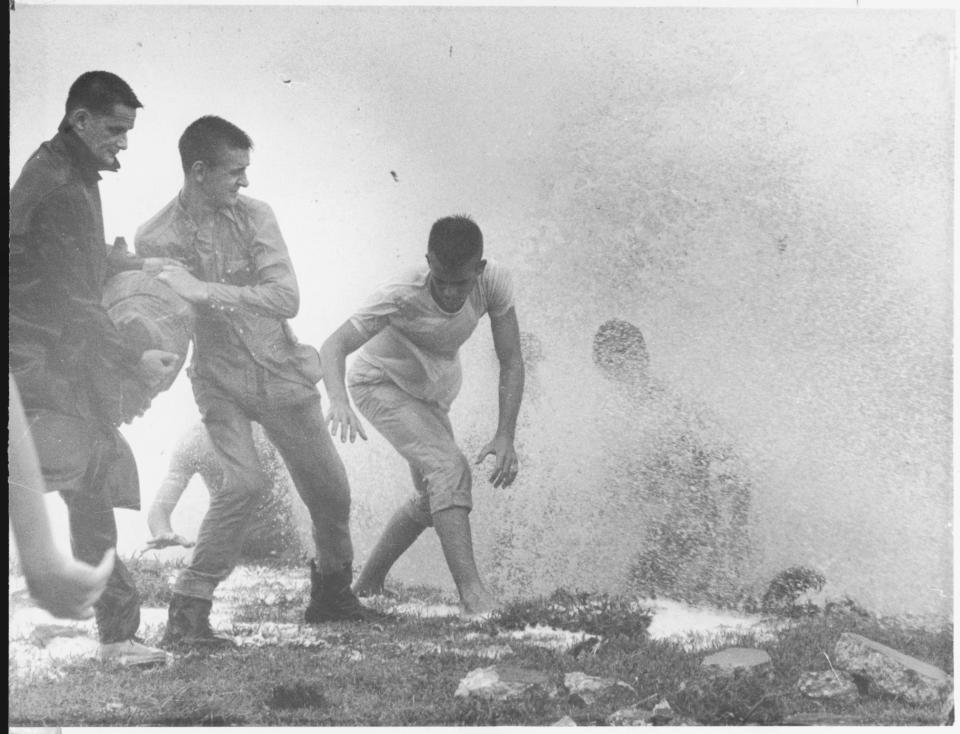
x=404, y=380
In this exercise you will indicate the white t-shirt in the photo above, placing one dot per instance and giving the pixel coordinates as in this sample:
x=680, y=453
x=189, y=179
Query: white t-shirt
x=416, y=343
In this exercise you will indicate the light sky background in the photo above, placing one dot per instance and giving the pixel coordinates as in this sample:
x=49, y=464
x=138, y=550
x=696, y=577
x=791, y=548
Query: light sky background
x=787, y=173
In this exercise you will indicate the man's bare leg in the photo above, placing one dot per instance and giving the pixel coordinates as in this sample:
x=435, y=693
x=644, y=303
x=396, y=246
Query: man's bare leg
x=401, y=531
x=453, y=527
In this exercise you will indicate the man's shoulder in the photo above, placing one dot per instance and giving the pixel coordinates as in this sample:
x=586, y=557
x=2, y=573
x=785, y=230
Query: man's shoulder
x=161, y=222
x=253, y=210
x=45, y=171
x=495, y=268
x=496, y=277
x=407, y=283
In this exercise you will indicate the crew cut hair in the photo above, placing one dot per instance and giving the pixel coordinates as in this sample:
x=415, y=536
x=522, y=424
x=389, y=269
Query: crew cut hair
x=207, y=138
x=99, y=91
x=454, y=240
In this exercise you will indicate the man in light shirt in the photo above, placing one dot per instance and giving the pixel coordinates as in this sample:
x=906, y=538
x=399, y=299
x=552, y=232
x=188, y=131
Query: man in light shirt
x=247, y=366
x=404, y=380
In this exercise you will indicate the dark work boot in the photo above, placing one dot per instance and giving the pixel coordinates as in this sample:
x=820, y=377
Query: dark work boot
x=332, y=599
x=188, y=626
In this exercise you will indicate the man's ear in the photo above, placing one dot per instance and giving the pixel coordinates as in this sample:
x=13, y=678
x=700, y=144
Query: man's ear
x=481, y=266
x=79, y=118
x=198, y=170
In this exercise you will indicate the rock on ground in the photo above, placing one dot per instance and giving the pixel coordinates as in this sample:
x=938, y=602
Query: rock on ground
x=733, y=658
x=891, y=672
x=828, y=685
x=589, y=688
x=503, y=682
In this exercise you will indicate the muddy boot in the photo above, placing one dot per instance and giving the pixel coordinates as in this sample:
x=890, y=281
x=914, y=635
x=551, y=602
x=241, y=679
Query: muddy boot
x=332, y=600
x=188, y=626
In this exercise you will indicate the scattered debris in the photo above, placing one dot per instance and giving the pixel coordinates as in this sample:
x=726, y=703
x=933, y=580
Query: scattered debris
x=279, y=635
x=586, y=689
x=734, y=658
x=504, y=682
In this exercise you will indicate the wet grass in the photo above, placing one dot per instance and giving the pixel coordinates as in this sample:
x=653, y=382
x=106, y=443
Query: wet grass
x=404, y=672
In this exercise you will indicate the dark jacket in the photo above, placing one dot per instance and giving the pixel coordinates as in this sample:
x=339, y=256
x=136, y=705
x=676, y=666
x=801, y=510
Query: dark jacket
x=65, y=353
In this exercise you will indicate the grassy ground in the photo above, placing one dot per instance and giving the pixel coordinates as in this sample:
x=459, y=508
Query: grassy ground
x=405, y=671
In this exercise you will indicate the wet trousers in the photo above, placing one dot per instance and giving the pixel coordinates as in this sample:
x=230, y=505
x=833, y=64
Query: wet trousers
x=93, y=531
x=299, y=433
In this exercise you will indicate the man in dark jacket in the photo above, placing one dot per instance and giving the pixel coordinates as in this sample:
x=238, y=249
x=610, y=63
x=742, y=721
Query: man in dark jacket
x=65, y=354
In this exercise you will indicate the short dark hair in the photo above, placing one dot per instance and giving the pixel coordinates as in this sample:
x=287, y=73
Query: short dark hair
x=207, y=138
x=617, y=337
x=454, y=240
x=99, y=91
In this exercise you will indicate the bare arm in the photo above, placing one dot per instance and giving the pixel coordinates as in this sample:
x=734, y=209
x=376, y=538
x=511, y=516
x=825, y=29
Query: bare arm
x=62, y=585
x=158, y=517
x=506, y=341
x=185, y=461
x=333, y=361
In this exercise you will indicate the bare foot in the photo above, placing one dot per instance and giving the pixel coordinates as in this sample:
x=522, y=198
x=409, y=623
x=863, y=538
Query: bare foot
x=478, y=606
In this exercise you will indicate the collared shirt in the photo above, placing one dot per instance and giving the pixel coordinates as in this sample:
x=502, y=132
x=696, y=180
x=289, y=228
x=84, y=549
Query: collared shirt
x=65, y=352
x=414, y=342
x=242, y=341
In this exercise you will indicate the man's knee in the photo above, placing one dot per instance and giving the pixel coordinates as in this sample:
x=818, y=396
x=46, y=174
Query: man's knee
x=449, y=484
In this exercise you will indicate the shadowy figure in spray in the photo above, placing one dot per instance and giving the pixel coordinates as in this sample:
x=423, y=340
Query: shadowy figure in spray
x=693, y=499
x=272, y=532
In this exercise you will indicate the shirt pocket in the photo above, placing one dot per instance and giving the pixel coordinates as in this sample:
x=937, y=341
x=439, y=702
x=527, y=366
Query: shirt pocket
x=240, y=272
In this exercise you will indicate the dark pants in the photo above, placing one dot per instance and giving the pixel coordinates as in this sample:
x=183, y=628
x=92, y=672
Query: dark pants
x=92, y=468
x=93, y=531
x=299, y=433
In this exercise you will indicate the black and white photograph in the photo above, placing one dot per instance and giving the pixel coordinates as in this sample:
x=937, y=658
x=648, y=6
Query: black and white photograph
x=496, y=365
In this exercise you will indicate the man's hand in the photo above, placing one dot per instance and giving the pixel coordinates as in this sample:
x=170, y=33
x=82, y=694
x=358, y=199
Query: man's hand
x=157, y=367
x=154, y=265
x=166, y=539
x=341, y=418
x=507, y=463
x=183, y=283
x=68, y=588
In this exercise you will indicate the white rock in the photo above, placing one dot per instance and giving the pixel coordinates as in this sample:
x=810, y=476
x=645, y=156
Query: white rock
x=892, y=672
x=589, y=687
x=499, y=683
x=732, y=658
x=632, y=716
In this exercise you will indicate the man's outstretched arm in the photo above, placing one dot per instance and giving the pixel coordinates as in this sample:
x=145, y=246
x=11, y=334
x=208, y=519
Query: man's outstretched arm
x=506, y=341
x=333, y=361
x=158, y=517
